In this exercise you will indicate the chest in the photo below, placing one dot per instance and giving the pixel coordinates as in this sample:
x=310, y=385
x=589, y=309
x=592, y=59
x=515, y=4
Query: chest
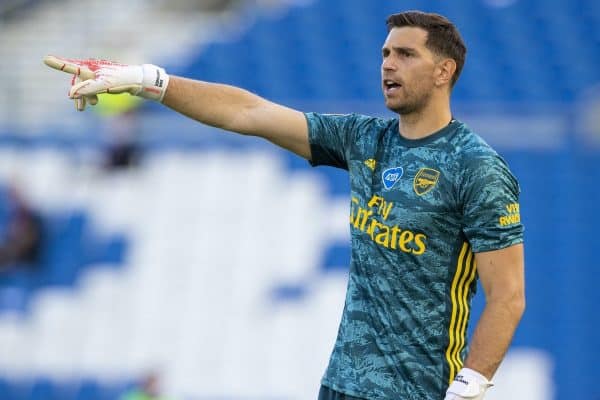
x=411, y=188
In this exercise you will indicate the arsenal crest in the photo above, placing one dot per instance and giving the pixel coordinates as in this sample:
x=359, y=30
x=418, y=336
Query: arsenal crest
x=425, y=180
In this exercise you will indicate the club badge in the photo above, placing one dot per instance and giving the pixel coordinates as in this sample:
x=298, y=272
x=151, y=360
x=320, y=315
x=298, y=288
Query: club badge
x=425, y=180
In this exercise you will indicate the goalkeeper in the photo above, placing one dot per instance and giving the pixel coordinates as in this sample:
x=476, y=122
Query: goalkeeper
x=433, y=208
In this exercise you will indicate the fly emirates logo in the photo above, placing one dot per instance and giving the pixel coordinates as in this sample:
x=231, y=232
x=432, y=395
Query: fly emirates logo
x=393, y=237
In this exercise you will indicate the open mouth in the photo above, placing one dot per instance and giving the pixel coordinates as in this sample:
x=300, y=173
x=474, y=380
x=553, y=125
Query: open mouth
x=390, y=85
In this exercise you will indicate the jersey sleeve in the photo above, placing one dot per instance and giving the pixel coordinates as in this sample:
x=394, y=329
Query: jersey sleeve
x=330, y=137
x=491, y=214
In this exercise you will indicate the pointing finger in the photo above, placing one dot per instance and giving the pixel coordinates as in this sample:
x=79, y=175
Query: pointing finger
x=70, y=66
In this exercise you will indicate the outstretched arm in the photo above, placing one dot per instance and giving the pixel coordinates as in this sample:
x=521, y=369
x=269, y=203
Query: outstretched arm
x=218, y=105
x=240, y=111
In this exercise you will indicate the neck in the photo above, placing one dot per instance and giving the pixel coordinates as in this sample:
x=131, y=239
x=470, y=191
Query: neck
x=426, y=121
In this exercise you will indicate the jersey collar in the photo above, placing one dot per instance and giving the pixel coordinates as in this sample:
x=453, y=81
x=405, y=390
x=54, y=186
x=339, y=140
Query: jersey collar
x=448, y=129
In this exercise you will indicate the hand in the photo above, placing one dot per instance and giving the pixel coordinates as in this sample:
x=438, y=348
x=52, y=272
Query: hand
x=92, y=77
x=468, y=385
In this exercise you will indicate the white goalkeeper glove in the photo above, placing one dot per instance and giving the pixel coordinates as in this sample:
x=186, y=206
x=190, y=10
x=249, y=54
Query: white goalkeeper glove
x=468, y=385
x=92, y=77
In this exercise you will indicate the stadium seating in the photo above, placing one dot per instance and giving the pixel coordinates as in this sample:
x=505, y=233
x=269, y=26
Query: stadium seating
x=534, y=50
x=68, y=247
x=131, y=269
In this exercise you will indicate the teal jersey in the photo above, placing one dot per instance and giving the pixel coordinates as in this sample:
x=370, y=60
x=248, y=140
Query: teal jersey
x=419, y=210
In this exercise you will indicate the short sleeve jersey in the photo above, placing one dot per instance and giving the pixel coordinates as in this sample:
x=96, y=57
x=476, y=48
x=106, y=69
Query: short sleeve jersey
x=419, y=210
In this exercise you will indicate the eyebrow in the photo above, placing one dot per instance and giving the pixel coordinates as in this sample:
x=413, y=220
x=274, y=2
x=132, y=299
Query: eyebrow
x=399, y=49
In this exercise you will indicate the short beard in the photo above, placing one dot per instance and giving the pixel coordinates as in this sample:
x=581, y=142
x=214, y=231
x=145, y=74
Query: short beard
x=412, y=107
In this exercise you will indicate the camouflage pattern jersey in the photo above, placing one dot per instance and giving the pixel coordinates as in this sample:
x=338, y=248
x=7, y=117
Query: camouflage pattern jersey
x=419, y=209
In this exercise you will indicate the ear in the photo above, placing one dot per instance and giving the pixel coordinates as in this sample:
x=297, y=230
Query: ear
x=445, y=71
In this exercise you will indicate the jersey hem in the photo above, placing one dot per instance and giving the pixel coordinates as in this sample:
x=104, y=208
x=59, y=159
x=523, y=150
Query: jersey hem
x=347, y=392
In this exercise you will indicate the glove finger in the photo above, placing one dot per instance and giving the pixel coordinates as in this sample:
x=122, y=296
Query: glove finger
x=92, y=100
x=92, y=87
x=131, y=89
x=70, y=66
x=88, y=88
x=80, y=103
x=83, y=101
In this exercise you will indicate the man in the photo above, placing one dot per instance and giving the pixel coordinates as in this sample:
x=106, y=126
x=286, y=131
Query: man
x=20, y=231
x=430, y=201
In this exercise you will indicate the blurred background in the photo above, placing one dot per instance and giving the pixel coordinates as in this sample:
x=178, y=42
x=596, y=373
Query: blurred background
x=142, y=251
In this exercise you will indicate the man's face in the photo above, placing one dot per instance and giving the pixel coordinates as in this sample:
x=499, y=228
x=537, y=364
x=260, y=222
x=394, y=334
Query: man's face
x=407, y=70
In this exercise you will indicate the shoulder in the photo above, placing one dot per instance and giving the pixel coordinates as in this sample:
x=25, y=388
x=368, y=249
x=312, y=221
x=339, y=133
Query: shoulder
x=371, y=121
x=479, y=164
x=473, y=151
x=356, y=129
x=352, y=120
x=369, y=129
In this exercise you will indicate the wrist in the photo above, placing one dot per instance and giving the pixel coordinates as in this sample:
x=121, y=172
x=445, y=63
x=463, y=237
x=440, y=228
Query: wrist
x=154, y=82
x=469, y=384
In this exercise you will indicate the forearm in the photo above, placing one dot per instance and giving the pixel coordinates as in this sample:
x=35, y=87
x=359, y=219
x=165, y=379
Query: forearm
x=493, y=335
x=237, y=110
x=213, y=104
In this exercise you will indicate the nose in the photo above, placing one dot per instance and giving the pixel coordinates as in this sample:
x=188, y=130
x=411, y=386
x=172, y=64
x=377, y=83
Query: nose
x=388, y=64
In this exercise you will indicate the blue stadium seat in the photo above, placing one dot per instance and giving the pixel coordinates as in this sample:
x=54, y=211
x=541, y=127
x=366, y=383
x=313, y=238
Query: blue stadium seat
x=5, y=389
x=336, y=257
x=89, y=389
x=61, y=255
x=17, y=389
x=531, y=51
x=43, y=389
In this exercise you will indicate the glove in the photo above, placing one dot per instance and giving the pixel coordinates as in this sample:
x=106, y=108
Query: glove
x=92, y=77
x=468, y=385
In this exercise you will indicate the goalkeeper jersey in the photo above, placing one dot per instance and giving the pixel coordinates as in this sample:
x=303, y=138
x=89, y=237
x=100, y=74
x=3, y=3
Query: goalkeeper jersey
x=419, y=209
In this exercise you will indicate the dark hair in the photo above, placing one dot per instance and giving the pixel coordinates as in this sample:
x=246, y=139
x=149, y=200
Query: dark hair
x=442, y=36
